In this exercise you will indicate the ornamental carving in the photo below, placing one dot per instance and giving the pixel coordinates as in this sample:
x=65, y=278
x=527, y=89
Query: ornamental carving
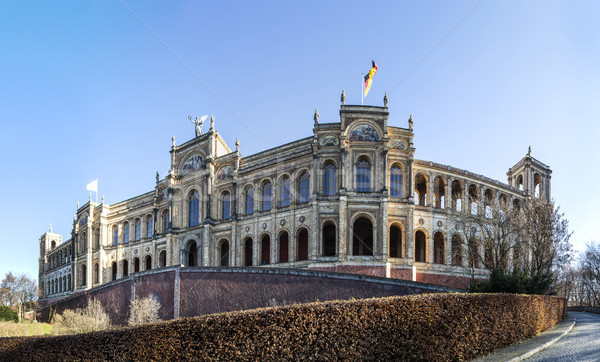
x=193, y=164
x=365, y=133
x=83, y=220
x=398, y=144
x=225, y=173
x=329, y=140
x=164, y=194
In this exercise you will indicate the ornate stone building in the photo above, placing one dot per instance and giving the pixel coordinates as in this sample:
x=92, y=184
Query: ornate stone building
x=349, y=198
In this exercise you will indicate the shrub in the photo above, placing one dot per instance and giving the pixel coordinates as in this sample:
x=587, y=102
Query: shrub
x=88, y=319
x=437, y=327
x=144, y=311
x=8, y=314
x=515, y=283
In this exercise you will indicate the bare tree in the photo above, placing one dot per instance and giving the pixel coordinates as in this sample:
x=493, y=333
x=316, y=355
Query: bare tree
x=590, y=274
x=19, y=292
x=490, y=236
x=545, y=234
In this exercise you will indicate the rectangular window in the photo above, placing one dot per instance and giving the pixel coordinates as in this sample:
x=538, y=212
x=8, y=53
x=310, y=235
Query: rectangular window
x=149, y=227
x=304, y=189
x=285, y=193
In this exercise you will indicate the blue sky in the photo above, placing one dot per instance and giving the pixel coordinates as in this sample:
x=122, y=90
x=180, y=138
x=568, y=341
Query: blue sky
x=87, y=91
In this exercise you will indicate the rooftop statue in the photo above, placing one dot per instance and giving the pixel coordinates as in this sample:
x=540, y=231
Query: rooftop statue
x=198, y=123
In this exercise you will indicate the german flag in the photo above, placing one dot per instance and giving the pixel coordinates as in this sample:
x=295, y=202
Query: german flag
x=369, y=77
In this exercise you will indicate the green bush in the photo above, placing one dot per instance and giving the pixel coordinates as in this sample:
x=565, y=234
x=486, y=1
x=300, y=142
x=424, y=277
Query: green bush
x=8, y=314
x=437, y=327
x=516, y=283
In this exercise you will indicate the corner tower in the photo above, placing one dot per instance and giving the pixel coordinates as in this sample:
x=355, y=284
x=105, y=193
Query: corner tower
x=531, y=176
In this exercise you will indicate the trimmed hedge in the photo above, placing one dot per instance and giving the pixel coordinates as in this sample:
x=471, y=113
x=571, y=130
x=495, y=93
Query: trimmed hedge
x=423, y=327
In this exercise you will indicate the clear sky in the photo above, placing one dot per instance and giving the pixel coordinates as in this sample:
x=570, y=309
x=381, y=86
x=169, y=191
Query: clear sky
x=87, y=91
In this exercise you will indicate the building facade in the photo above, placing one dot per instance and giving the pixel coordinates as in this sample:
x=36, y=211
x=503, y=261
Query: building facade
x=349, y=198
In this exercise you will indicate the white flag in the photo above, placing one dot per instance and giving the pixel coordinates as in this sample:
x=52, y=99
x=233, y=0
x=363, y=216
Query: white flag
x=92, y=186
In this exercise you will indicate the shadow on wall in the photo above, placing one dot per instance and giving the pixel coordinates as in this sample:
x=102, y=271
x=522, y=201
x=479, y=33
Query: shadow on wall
x=188, y=292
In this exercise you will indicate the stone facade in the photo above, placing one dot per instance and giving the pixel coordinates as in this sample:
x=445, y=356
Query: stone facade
x=349, y=198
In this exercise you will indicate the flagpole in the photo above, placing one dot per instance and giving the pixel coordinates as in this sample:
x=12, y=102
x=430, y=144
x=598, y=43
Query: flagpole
x=362, y=94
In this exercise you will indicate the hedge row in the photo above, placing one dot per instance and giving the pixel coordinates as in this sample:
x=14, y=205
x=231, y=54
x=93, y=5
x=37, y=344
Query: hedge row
x=422, y=327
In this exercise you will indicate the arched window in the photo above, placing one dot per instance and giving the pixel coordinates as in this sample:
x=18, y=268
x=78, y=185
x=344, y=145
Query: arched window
x=194, y=209
x=69, y=281
x=456, y=250
x=304, y=188
x=283, y=247
x=473, y=199
x=266, y=196
x=250, y=200
x=136, y=265
x=363, y=175
x=396, y=181
x=192, y=254
x=302, y=247
x=148, y=262
x=265, y=254
x=138, y=229
x=114, y=270
x=520, y=182
x=125, y=268
x=537, y=185
x=329, y=177
x=362, y=237
x=226, y=199
x=162, y=259
x=473, y=253
x=329, y=240
x=84, y=242
x=149, y=226
x=248, y=252
x=115, y=235
x=457, y=191
x=97, y=239
x=285, y=193
x=165, y=220
x=439, y=192
x=395, y=242
x=438, y=248
x=96, y=273
x=125, y=233
x=224, y=253
x=420, y=245
x=420, y=190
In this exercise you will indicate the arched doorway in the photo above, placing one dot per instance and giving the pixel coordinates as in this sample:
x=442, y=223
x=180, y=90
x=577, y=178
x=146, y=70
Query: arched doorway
x=192, y=254
x=114, y=270
x=248, y=252
x=362, y=237
x=395, y=250
x=162, y=259
x=329, y=240
x=125, y=268
x=265, y=247
x=284, y=242
x=420, y=245
x=224, y=253
x=302, y=244
x=438, y=248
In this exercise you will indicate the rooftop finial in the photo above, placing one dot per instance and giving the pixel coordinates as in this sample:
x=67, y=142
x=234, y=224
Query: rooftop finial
x=212, y=123
x=410, y=122
x=90, y=196
x=316, y=116
x=237, y=145
x=529, y=152
x=385, y=100
x=50, y=227
x=157, y=177
x=103, y=198
x=343, y=97
x=77, y=205
x=173, y=140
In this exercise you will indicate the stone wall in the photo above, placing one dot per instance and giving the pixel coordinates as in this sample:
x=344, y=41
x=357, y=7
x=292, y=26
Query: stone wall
x=187, y=292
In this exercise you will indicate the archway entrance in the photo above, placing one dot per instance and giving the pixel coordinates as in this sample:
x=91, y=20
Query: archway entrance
x=362, y=237
x=420, y=246
x=329, y=240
